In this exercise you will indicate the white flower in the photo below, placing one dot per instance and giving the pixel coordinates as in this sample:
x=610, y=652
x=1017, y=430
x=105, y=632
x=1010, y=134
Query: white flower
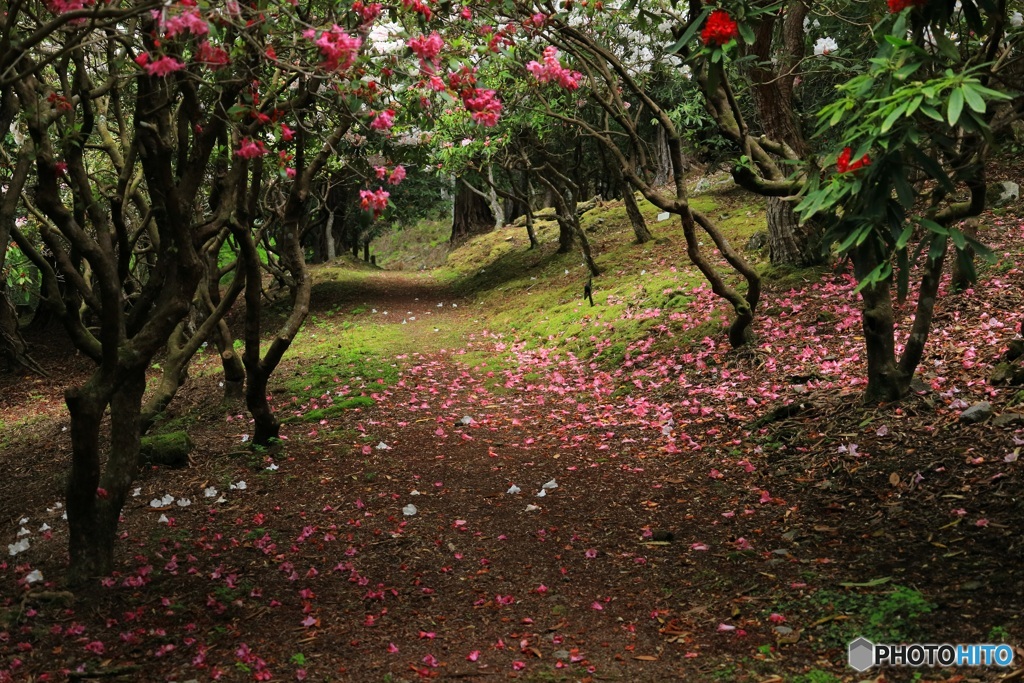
x=184, y=502
x=825, y=45
x=34, y=576
x=209, y=492
x=240, y=486
x=409, y=510
x=513, y=489
x=1017, y=20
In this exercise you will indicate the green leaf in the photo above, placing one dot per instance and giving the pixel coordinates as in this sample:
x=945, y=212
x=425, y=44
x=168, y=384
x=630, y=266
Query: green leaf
x=933, y=227
x=914, y=104
x=904, y=190
x=947, y=47
x=955, y=106
x=893, y=117
x=931, y=112
x=938, y=248
x=857, y=235
x=881, y=273
x=907, y=70
x=958, y=238
x=982, y=250
x=690, y=31
x=904, y=238
x=974, y=99
x=746, y=33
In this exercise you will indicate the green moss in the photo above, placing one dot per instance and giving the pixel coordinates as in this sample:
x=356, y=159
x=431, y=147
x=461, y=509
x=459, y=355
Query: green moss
x=333, y=410
x=170, y=449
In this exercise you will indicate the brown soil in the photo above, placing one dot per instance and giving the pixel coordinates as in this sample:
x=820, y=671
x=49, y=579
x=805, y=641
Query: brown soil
x=312, y=570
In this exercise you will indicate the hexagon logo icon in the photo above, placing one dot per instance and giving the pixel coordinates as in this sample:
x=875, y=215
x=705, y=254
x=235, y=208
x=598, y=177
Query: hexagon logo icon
x=861, y=654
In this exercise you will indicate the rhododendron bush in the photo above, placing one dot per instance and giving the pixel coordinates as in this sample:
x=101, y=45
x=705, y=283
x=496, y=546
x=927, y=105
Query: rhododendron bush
x=214, y=123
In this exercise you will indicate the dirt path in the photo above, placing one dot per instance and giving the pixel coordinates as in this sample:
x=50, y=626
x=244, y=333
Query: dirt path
x=678, y=544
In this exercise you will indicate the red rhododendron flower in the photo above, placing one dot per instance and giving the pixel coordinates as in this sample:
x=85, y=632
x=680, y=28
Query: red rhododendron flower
x=900, y=5
x=212, y=56
x=843, y=161
x=719, y=29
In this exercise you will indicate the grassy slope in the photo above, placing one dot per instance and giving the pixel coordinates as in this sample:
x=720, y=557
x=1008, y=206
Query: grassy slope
x=530, y=295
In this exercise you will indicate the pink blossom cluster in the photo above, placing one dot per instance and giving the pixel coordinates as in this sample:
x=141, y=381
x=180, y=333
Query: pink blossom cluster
x=418, y=6
x=62, y=6
x=250, y=149
x=552, y=71
x=188, y=21
x=483, y=104
x=536, y=20
x=376, y=201
x=396, y=175
x=161, y=66
x=427, y=48
x=368, y=13
x=384, y=120
x=212, y=56
x=338, y=48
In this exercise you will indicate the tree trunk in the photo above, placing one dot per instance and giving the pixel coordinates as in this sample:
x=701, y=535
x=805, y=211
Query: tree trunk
x=12, y=345
x=740, y=331
x=472, y=214
x=885, y=380
x=662, y=158
x=565, y=235
x=789, y=243
x=636, y=218
x=329, y=236
x=494, y=200
x=963, y=275
x=530, y=232
x=366, y=251
x=95, y=499
x=267, y=426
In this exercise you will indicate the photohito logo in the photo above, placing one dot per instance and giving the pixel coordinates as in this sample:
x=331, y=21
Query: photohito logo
x=863, y=654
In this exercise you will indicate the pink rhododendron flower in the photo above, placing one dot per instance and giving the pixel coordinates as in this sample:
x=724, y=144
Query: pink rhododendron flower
x=188, y=21
x=484, y=105
x=374, y=201
x=250, y=149
x=161, y=67
x=368, y=13
x=552, y=71
x=419, y=7
x=397, y=175
x=384, y=120
x=427, y=48
x=62, y=6
x=338, y=48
